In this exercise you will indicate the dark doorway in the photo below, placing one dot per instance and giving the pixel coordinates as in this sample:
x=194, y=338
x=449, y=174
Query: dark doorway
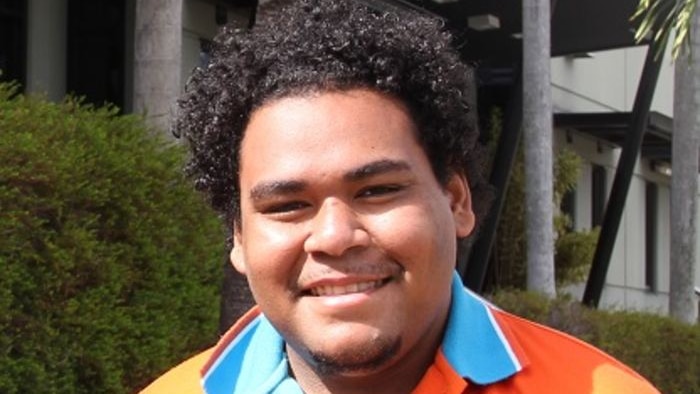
x=598, y=194
x=13, y=40
x=96, y=50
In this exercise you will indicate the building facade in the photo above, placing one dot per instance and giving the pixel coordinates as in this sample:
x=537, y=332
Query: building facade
x=607, y=82
x=95, y=48
x=109, y=51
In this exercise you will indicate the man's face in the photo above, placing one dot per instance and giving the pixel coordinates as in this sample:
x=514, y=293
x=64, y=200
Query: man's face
x=346, y=237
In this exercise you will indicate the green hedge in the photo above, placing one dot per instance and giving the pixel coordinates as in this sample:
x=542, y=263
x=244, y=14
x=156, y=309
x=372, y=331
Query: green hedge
x=663, y=350
x=110, y=262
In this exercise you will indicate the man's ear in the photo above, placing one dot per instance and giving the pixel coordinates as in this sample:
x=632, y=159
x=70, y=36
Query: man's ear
x=461, y=204
x=236, y=255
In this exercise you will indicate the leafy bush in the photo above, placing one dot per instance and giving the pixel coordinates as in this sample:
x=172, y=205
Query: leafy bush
x=110, y=262
x=573, y=255
x=663, y=350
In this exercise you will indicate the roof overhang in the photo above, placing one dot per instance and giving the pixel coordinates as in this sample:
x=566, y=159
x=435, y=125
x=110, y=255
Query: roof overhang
x=614, y=126
x=577, y=26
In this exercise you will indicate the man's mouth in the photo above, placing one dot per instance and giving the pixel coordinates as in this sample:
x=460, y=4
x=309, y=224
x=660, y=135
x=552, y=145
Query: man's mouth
x=359, y=287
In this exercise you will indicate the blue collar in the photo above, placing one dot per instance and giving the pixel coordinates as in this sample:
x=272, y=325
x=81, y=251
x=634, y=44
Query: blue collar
x=474, y=345
x=474, y=342
x=253, y=362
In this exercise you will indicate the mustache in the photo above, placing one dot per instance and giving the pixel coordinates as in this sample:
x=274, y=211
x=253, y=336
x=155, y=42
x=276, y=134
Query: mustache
x=351, y=268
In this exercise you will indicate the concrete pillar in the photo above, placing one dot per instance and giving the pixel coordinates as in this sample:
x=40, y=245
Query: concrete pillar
x=157, y=58
x=47, y=47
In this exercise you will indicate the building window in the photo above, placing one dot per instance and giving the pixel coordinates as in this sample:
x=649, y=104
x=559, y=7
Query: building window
x=651, y=233
x=598, y=194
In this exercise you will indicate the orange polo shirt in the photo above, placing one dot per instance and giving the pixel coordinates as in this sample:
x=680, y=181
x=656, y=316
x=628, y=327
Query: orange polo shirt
x=484, y=350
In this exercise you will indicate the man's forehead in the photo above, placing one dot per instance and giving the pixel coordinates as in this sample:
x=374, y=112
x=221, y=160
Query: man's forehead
x=353, y=107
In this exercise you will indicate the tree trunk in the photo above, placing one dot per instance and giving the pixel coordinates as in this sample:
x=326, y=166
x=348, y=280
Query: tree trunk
x=157, y=59
x=683, y=304
x=537, y=137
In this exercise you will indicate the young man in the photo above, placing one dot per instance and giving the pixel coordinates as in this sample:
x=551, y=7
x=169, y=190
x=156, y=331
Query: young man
x=335, y=140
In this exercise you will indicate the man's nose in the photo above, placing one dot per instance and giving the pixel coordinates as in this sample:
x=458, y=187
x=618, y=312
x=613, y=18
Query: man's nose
x=335, y=229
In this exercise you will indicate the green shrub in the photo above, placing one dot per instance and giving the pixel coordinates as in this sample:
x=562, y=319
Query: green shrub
x=110, y=262
x=574, y=254
x=663, y=350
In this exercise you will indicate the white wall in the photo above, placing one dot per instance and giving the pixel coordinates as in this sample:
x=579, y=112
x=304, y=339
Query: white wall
x=625, y=283
x=607, y=82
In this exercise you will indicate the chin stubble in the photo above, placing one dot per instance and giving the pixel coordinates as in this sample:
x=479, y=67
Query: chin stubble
x=356, y=360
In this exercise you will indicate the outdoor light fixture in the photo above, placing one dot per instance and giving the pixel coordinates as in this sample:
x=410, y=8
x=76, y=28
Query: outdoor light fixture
x=580, y=55
x=483, y=22
x=662, y=168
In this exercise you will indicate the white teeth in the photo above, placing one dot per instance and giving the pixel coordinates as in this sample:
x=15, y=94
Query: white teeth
x=348, y=289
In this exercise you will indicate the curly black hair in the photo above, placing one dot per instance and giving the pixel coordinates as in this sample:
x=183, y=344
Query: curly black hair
x=325, y=45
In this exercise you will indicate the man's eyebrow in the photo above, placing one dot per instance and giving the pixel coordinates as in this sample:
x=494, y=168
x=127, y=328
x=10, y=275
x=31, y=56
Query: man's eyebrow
x=376, y=168
x=269, y=189
x=275, y=188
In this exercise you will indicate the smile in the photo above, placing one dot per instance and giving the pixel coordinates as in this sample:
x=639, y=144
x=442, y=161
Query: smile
x=360, y=287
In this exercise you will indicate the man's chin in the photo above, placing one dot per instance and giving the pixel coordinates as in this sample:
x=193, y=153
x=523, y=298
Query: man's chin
x=357, y=360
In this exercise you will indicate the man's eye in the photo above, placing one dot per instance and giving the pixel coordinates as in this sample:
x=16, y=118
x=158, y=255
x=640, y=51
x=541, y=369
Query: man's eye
x=285, y=207
x=379, y=190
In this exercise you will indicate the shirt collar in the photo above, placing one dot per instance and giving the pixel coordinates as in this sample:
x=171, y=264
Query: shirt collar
x=253, y=362
x=475, y=346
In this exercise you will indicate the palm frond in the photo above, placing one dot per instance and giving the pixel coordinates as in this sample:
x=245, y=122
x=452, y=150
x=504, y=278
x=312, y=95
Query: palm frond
x=658, y=18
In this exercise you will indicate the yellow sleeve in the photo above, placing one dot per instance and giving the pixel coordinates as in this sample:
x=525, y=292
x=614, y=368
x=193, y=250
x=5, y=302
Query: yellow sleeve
x=608, y=379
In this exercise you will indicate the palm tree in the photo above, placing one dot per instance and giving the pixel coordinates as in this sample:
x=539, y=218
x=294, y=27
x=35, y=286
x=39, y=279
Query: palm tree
x=680, y=16
x=537, y=137
x=661, y=17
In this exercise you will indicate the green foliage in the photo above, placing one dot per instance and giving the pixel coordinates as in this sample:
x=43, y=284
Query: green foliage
x=574, y=255
x=574, y=249
x=663, y=350
x=508, y=263
x=658, y=18
x=110, y=262
x=567, y=168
